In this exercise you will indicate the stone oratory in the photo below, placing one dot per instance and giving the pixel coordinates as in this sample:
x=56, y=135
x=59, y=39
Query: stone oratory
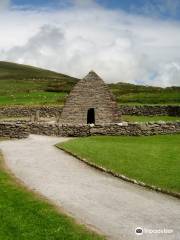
x=90, y=102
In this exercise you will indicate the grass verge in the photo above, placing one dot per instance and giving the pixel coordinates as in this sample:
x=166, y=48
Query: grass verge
x=25, y=216
x=153, y=160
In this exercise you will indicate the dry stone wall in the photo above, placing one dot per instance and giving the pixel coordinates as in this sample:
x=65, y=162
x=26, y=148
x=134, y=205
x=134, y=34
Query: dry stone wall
x=27, y=111
x=13, y=130
x=58, y=130
x=22, y=130
x=52, y=111
x=150, y=110
x=127, y=129
x=133, y=129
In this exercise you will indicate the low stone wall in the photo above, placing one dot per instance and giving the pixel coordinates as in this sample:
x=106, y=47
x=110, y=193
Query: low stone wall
x=13, y=130
x=127, y=129
x=51, y=111
x=133, y=129
x=149, y=110
x=27, y=111
x=58, y=130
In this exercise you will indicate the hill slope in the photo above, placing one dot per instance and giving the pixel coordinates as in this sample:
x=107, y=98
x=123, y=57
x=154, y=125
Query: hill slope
x=20, y=72
x=23, y=84
x=139, y=94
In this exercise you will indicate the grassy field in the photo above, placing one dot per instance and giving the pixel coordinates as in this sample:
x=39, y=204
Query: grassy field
x=29, y=92
x=24, y=216
x=26, y=85
x=33, y=98
x=134, y=118
x=127, y=93
x=153, y=160
x=13, y=71
x=21, y=84
x=163, y=97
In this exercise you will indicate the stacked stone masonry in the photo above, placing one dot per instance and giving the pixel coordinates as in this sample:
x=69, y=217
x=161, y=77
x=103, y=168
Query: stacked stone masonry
x=90, y=93
x=150, y=110
x=14, y=130
x=27, y=111
x=53, y=111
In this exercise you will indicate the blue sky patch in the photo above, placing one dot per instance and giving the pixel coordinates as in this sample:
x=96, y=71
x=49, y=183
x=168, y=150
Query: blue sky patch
x=152, y=8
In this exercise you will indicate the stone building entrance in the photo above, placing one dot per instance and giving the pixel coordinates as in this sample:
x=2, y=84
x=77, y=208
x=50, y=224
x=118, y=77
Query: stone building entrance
x=91, y=116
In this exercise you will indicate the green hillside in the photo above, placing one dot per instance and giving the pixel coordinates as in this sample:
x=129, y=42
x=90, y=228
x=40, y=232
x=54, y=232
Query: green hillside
x=21, y=72
x=22, y=84
x=139, y=94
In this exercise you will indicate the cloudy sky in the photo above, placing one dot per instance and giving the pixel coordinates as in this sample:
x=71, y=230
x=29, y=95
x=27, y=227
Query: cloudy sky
x=136, y=41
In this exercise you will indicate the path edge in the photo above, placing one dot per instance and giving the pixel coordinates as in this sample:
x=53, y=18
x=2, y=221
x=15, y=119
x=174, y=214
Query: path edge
x=120, y=176
x=41, y=197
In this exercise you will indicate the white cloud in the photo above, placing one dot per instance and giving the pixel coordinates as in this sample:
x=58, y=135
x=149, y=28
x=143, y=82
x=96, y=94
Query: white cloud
x=119, y=46
x=4, y=5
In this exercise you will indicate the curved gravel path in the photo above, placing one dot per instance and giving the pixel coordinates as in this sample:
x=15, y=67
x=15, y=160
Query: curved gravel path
x=108, y=204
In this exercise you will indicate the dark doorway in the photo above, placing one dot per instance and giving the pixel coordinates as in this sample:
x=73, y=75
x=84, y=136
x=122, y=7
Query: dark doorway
x=91, y=116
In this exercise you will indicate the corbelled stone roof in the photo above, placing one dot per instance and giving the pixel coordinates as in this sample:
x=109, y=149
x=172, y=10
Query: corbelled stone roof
x=92, y=76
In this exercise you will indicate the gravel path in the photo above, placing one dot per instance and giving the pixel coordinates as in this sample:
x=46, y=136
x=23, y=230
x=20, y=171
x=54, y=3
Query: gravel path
x=108, y=204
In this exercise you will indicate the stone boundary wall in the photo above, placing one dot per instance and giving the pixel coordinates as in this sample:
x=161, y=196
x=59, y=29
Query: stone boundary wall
x=137, y=129
x=13, y=130
x=51, y=111
x=150, y=110
x=27, y=111
x=58, y=130
x=126, y=129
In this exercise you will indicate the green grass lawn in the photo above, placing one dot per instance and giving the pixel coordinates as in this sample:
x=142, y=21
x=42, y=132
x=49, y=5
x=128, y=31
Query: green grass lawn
x=161, y=97
x=28, y=92
x=27, y=85
x=24, y=216
x=33, y=98
x=154, y=160
x=134, y=118
x=132, y=94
